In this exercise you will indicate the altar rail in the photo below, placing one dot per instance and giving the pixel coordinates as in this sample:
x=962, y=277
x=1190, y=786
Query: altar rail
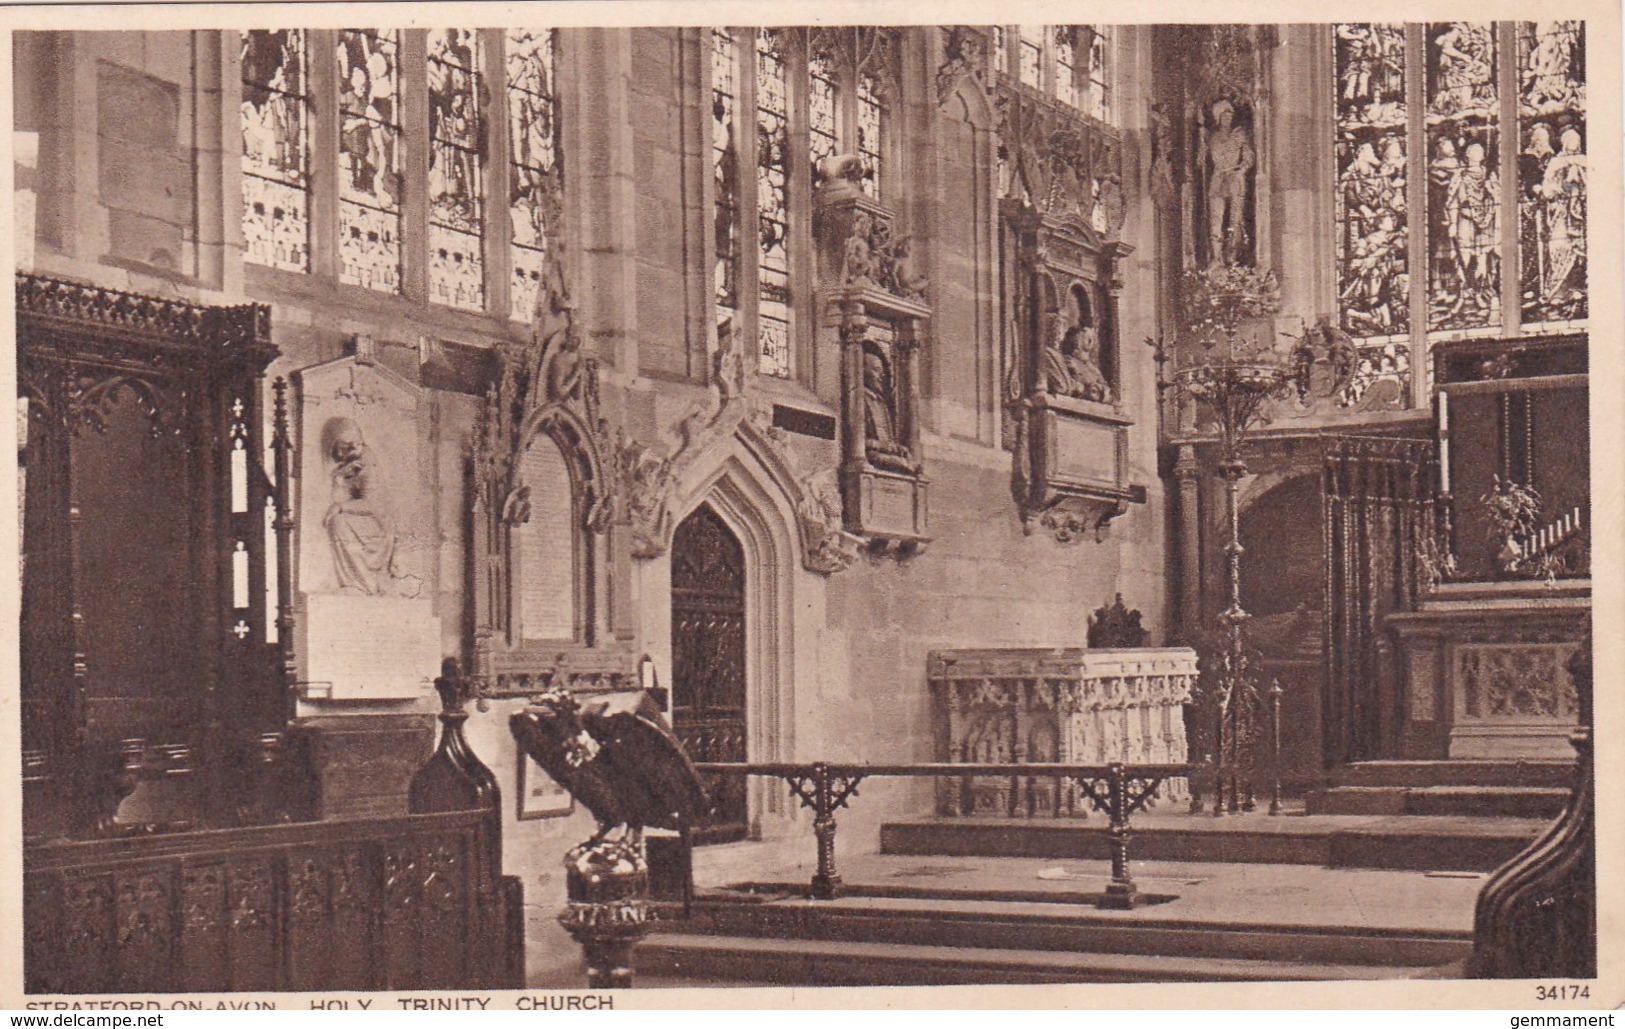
x=1116, y=790
x=411, y=902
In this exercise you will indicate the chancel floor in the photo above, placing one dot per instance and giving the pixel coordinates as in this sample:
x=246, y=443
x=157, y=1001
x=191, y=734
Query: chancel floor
x=1280, y=909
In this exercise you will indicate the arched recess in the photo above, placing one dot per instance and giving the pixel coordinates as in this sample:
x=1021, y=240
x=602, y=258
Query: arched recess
x=749, y=492
x=542, y=556
x=710, y=641
x=1283, y=583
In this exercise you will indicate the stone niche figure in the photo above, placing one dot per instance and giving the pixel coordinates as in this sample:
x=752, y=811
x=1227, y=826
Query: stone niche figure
x=358, y=525
x=882, y=445
x=1229, y=159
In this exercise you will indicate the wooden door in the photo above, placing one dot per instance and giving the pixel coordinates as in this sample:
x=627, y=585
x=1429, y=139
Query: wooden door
x=708, y=660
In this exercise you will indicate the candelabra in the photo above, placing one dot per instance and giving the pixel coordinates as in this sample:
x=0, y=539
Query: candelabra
x=1232, y=376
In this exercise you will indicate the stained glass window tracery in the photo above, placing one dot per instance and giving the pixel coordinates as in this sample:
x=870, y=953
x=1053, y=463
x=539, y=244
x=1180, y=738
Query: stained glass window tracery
x=725, y=173
x=1032, y=54
x=456, y=171
x=276, y=149
x=1373, y=278
x=369, y=159
x=533, y=159
x=1464, y=182
x=823, y=126
x=869, y=118
x=1066, y=71
x=1459, y=204
x=772, y=205
x=1552, y=170
x=1098, y=102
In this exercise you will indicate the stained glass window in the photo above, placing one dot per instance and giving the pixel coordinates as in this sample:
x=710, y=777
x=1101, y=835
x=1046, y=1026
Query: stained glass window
x=725, y=172
x=1032, y=54
x=1098, y=103
x=1066, y=83
x=1552, y=170
x=823, y=127
x=772, y=205
x=276, y=150
x=456, y=189
x=533, y=162
x=369, y=159
x=1001, y=54
x=1373, y=277
x=869, y=119
x=1464, y=184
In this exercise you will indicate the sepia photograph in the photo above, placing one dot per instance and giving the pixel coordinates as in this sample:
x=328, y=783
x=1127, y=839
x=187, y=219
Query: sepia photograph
x=647, y=498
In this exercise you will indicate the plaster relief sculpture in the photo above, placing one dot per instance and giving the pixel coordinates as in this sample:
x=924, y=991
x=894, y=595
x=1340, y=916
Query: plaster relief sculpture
x=369, y=630
x=358, y=523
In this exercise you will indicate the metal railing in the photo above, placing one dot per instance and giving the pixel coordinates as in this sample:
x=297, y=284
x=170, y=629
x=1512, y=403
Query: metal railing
x=1115, y=790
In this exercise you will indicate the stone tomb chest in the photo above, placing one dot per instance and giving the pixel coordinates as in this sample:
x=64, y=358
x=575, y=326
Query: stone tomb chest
x=1065, y=705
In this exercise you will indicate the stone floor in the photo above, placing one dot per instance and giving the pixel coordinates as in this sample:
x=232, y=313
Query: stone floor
x=1263, y=894
x=1272, y=895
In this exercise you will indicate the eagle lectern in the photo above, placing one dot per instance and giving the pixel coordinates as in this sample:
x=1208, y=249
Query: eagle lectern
x=615, y=753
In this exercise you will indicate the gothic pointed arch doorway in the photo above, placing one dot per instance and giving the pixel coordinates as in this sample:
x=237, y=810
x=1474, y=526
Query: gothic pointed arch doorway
x=708, y=660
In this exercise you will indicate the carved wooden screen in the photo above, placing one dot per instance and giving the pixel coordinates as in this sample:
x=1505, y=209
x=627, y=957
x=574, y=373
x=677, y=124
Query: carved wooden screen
x=708, y=659
x=146, y=636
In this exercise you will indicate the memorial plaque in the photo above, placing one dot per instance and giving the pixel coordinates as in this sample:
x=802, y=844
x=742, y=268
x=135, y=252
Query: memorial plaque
x=1086, y=451
x=366, y=534
x=369, y=648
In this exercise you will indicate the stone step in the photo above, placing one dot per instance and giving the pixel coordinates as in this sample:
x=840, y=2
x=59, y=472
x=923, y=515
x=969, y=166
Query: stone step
x=949, y=921
x=1528, y=773
x=1497, y=801
x=800, y=962
x=1414, y=842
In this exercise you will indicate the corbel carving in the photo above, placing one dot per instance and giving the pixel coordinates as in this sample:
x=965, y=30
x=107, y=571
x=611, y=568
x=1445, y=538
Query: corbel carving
x=964, y=56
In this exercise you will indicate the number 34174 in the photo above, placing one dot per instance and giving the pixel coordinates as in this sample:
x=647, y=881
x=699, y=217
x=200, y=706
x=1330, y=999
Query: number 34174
x=1563, y=991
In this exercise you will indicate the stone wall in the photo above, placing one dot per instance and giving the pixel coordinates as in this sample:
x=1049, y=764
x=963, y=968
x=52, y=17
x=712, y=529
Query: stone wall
x=138, y=185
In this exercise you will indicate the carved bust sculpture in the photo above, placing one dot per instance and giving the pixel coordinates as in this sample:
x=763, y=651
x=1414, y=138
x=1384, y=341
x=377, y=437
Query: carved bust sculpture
x=882, y=446
x=840, y=174
x=357, y=523
x=1071, y=366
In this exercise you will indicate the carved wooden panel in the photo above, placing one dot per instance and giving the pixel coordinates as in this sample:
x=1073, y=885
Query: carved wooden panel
x=708, y=657
x=144, y=609
x=416, y=902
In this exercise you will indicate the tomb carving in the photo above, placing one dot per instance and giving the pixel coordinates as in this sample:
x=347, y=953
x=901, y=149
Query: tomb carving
x=873, y=296
x=1062, y=705
x=1062, y=212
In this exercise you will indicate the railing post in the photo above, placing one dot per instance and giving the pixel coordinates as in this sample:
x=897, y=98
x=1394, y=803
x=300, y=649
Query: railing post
x=1121, y=891
x=1275, y=746
x=826, y=882
x=824, y=794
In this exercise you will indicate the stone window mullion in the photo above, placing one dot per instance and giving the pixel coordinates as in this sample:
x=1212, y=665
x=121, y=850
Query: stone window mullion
x=320, y=44
x=415, y=144
x=498, y=174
